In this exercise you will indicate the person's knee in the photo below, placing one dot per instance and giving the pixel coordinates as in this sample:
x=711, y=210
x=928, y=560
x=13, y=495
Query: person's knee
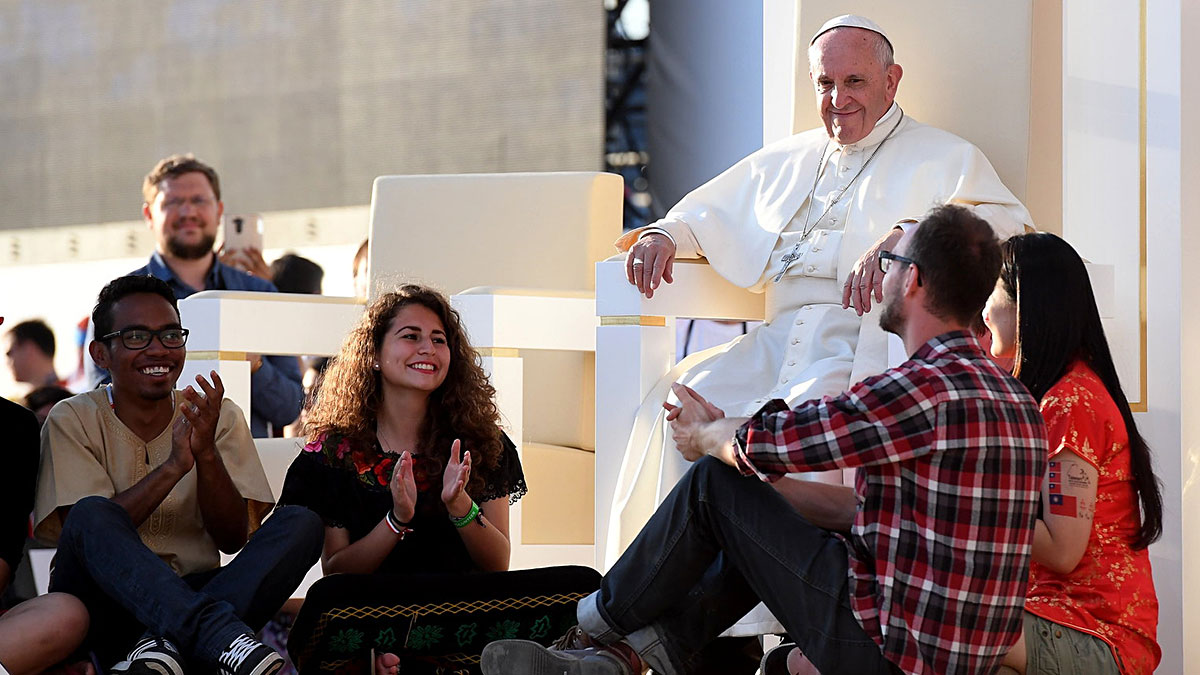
x=89, y=515
x=304, y=527
x=59, y=620
x=70, y=617
x=709, y=468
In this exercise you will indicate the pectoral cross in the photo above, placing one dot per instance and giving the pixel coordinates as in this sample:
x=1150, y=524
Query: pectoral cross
x=787, y=260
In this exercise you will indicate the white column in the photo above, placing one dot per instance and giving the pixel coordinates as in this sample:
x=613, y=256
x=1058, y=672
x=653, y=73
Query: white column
x=630, y=359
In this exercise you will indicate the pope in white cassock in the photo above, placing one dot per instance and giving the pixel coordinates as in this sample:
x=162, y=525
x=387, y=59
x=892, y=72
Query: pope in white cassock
x=803, y=220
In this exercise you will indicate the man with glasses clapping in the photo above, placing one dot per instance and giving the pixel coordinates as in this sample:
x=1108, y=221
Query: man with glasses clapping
x=143, y=486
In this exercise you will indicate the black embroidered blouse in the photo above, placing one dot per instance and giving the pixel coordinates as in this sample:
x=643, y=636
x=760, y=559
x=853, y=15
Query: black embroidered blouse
x=346, y=483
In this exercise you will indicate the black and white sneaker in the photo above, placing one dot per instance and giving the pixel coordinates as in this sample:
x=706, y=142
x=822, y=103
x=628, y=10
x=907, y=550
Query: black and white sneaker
x=151, y=656
x=247, y=656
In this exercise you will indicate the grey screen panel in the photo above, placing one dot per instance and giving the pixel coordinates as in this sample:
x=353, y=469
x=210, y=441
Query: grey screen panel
x=298, y=104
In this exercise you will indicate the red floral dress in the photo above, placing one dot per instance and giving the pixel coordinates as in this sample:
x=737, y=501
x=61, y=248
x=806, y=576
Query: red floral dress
x=1110, y=594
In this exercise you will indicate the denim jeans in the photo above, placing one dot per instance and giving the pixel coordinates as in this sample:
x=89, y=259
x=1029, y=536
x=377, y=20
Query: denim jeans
x=718, y=544
x=129, y=591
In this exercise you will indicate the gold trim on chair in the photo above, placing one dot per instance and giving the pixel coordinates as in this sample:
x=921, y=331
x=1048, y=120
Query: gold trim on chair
x=633, y=320
x=215, y=355
x=498, y=352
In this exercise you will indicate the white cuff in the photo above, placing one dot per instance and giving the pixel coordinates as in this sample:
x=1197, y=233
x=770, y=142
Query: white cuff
x=657, y=230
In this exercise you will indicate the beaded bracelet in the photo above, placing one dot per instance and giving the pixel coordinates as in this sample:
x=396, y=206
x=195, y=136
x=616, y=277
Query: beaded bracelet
x=473, y=514
x=396, y=526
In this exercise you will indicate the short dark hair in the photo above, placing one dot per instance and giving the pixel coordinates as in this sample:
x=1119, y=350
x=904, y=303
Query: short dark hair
x=122, y=287
x=958, y=258
x=177, y=165
x=293, y=274
x=47, y=395
x=37, y=332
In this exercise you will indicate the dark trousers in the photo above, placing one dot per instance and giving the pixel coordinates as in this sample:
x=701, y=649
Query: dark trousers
x=719, y=544
x=129, y=591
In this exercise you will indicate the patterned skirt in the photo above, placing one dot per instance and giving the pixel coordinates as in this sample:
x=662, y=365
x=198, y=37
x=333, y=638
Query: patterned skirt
x=435, y=623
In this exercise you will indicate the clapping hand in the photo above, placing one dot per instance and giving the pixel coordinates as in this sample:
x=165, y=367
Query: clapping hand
x=194, y=433
x=454, y=480
x=203, y=412
x=686, y=419
x=404, y=489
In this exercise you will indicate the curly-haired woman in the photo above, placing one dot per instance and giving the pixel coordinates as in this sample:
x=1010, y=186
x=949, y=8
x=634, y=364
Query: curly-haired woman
x=406, y=462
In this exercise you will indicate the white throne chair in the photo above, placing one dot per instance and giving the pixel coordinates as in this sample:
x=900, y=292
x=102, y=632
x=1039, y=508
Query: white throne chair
x=517, y=252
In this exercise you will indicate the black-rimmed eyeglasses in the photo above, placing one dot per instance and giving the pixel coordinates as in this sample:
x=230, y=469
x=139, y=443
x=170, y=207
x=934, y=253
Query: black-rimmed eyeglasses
x=886, y=258
x=139, y=338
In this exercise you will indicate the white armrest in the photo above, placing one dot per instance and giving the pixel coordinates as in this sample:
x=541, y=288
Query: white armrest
x=268, y=323
x=226, y=325
x=520, y=318
x=697, y=292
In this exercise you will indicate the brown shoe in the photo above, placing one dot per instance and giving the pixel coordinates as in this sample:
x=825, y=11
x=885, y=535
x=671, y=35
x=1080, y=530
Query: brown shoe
x=575, y=638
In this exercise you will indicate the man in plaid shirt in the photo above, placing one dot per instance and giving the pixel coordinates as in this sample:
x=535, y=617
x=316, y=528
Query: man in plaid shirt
x=920, y=568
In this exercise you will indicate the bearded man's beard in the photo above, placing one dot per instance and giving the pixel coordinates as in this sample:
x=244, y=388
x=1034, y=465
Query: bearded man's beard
x=194, y=251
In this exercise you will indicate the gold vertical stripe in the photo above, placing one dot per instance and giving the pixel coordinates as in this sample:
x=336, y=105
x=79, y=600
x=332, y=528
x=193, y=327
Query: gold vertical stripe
x=1141, y=404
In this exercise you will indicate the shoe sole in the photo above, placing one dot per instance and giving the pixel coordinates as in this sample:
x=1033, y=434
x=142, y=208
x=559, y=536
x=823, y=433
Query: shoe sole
x=269, y=666
x=522, y=657
x=162, y=664
x=169, y=667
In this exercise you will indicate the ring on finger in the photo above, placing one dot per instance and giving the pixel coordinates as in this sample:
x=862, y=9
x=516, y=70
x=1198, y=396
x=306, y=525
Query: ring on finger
x=639, y=261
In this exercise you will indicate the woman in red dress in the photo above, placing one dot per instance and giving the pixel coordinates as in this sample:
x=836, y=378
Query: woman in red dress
x=1091, y=605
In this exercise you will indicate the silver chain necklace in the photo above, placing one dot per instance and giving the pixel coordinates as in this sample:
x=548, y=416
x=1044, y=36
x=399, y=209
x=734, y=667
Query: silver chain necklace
x=794, y=254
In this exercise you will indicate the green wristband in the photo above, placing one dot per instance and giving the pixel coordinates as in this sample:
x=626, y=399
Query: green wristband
x=466, y=520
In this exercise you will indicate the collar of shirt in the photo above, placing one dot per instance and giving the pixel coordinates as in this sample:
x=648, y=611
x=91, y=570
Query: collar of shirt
x=159, y=268
x=880, y=132
x=219, y=278
x=953, y=341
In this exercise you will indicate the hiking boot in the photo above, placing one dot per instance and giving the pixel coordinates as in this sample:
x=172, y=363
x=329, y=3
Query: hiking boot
x=247, y=656
x=522, y=657
x=151, y=656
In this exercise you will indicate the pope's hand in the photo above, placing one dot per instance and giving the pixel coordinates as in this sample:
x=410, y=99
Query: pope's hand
x=865, y=277
x=650, y=260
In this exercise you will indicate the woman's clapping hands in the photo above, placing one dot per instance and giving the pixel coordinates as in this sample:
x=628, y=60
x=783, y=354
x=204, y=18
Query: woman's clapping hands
x=404, y=489
x=454, y=481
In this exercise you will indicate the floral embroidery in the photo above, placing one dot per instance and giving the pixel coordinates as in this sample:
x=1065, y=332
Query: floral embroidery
x=386, y=638
x=423, y=637
x=541, y=627
x=466, y=633
x=503, y=630
x=346, y=640
x=383, y=470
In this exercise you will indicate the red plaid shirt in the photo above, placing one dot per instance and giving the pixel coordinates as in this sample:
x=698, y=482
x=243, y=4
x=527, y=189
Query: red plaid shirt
x=950, y=452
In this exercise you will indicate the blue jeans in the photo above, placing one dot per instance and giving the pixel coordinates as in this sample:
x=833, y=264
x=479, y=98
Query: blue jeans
x=129, y=591
x=718, y=544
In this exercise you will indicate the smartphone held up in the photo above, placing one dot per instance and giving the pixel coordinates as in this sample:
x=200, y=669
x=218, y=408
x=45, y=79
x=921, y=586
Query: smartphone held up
x=241, y=242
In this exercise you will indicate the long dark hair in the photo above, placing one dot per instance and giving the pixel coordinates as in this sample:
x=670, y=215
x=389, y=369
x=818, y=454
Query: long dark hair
x=1057, y=324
